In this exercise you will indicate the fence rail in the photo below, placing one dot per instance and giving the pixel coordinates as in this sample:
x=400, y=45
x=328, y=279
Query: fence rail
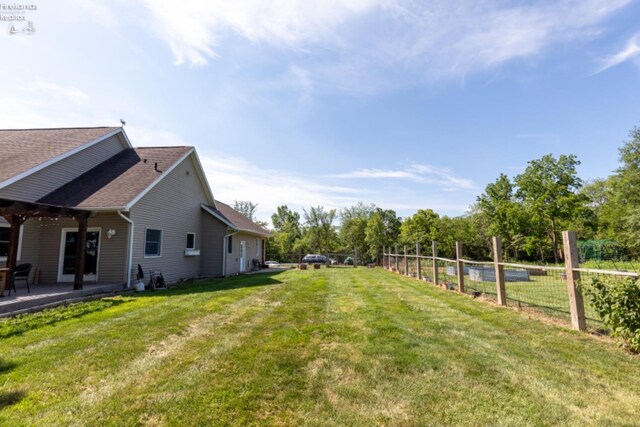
x=550, y=289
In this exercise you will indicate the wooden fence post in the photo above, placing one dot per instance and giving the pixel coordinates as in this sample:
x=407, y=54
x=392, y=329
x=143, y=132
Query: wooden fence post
x=497, y=259
x=460, y=267
x=396, y=258
x=384, y=261
x=434, y=251
x=418, y=261
x=571, y=259
x=406, y=262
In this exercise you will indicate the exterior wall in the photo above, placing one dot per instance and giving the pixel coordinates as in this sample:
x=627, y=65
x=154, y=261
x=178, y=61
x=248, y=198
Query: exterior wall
x=41, y=242
x=41, y=183
x=254, y=251
x=172, y=206
x=212, y=255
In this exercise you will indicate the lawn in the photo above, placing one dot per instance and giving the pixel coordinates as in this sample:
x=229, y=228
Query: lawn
x=318, y=347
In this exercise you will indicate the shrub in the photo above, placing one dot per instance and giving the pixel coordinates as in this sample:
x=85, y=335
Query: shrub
x=617, y=302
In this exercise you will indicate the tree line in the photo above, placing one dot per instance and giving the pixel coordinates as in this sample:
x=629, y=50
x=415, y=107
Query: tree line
x=528, y=212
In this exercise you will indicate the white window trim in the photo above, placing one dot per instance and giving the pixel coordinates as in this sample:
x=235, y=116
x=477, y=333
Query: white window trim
x=194, y=240
x=144, y=248
x=61, y=278
x=6, y=225
x=257, y=247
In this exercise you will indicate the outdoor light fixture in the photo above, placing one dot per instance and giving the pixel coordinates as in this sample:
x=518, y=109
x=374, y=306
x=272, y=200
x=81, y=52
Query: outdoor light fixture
x=110, y=233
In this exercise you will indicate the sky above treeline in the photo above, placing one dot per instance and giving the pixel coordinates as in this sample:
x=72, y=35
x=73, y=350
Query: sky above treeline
x=405, y=104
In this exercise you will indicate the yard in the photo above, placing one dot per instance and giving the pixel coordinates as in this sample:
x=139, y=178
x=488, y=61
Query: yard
x=319, y=347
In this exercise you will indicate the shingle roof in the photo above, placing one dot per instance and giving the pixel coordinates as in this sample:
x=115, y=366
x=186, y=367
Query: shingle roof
x=23, y=149
x=118, y=180
x=240, y=221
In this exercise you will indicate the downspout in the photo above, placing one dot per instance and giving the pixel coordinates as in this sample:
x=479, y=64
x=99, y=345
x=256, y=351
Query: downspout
x=225, y=249
x=131, y=230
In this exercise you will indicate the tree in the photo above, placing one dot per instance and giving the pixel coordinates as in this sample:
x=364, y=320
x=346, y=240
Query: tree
x=320, y=233
x=548, y=189
x=354, y=224
x=287, y=234
x=624, y=206
x=383, y=229
x=246, y=208
x=419, y=228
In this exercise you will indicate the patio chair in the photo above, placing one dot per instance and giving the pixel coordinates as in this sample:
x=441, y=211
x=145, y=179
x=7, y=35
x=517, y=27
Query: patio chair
x=20, y=272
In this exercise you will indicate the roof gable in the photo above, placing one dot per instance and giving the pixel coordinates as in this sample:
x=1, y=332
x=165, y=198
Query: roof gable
x=26, y=151
x=235, y=219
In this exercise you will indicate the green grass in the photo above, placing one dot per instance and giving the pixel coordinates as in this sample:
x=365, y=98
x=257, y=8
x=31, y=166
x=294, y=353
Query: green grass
x=324, y=347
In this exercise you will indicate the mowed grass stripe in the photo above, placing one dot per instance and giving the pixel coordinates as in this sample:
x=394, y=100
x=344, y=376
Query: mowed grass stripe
x=321, y=347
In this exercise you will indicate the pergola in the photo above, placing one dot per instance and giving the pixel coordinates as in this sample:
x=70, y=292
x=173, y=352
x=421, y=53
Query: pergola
x=17, y=212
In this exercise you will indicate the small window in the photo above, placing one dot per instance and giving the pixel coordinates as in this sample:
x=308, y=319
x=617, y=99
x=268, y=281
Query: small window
x=5, y=233
x=230, y=244
x=153, y=243
x=191, y=240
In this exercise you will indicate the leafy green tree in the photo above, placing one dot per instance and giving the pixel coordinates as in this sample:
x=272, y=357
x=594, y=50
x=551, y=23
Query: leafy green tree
x=419, y=228
x=320, y=234
x=353, y=228
x=548, y=189
x=286, y=237
x=624, y=206
x=383, y=229
x=246, y=208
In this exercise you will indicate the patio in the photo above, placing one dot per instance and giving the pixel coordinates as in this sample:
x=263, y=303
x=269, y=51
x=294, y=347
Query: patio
x=42, y=295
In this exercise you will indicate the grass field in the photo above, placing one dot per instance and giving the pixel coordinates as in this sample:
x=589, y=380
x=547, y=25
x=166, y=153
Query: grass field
x=324, y=347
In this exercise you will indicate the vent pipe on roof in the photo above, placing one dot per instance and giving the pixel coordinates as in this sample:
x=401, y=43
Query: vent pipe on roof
x=155, y=167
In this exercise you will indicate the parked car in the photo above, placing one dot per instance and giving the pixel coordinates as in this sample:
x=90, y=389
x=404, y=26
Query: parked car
x=314, y=259
x=348, y=261
x=271, y=263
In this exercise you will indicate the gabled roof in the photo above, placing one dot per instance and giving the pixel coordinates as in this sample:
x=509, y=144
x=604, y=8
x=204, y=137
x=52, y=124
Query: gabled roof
x=234, y=219
x=25, y=151
x=120, y=181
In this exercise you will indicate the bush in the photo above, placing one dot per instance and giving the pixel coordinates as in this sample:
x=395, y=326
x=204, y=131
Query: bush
x=617, y=302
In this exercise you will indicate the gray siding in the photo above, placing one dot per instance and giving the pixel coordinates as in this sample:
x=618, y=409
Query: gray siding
x=172, y=206
x=41, y=183
x=41, y=241
x=212, y=254
x=233, y=259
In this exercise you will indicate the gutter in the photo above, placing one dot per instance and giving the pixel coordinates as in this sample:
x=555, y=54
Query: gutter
x=131, y=230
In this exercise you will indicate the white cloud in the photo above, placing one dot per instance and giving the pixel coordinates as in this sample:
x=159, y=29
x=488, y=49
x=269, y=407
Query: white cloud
x=443, y=178
x=68, y=93
x=353, y=44
x=630, y=51
x=233, y=178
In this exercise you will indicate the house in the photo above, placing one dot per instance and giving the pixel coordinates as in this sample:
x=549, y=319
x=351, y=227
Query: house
x=66, y=189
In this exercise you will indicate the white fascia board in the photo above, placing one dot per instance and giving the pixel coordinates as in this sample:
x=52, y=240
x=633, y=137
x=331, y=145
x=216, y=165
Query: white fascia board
x=220, y=218
x=126, y=138
x=203, y=179
x=56, y=159
x=255, y=233
x=157, y=181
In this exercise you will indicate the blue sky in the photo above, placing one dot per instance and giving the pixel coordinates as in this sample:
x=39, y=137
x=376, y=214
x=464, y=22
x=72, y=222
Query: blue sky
x=405, y=104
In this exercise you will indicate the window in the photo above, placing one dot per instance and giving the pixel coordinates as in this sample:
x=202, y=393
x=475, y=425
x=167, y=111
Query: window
x=191, y=240
x=153, y=243
x=4, y=241
x=230, y=244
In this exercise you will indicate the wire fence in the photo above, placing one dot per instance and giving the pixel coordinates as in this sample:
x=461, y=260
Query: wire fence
x=548, y=289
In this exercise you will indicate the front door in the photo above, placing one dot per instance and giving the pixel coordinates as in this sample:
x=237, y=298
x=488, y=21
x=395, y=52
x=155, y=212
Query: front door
x=243, y=256
x=67, y=267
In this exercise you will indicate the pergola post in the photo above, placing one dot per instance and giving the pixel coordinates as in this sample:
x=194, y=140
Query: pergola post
x=81, y=244
x=15, y=221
